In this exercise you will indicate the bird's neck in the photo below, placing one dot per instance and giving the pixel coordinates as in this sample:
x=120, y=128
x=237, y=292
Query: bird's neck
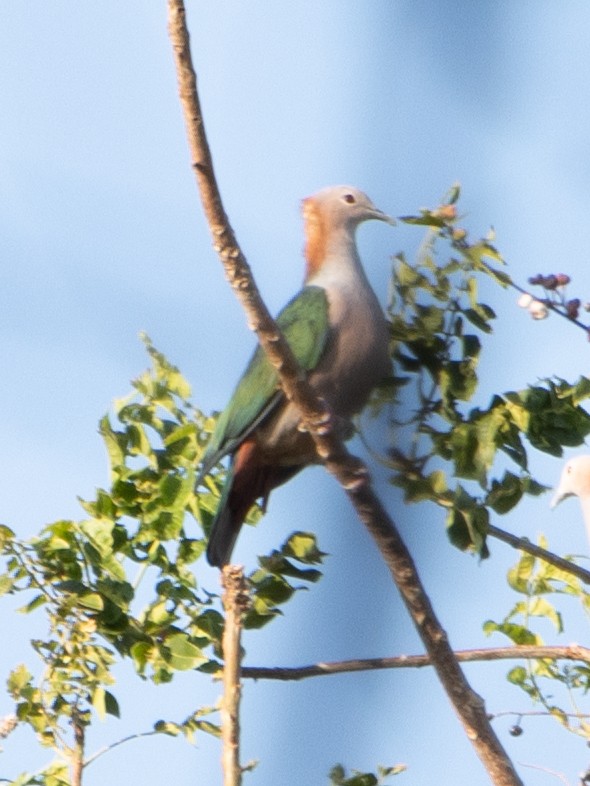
x=330, y=254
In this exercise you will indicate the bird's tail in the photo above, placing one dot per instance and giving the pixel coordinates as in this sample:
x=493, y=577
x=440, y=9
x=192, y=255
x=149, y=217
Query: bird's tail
x=235, y=502
x=247, y=480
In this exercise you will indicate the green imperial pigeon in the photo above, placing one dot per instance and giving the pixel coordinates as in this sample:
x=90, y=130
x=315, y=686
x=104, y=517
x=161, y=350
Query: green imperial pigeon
x=339, y=335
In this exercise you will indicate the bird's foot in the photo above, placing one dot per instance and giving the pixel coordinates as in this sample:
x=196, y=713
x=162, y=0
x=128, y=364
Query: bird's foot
x=322, y=424
x=326, y=423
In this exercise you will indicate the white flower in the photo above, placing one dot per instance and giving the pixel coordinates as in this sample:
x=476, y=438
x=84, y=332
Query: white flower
x=525, y=300
x=538, y=310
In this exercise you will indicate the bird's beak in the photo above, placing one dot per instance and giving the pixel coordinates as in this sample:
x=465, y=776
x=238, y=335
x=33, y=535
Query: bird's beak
x=379, y=215
x=558, y=497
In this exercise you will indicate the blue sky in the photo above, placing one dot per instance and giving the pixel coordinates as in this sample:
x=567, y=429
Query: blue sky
x=102, y=237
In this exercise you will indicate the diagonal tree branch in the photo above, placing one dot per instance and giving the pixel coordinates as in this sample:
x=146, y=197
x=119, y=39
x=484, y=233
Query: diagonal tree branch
x=348, y=470
x=524, y=544
x=484, y=654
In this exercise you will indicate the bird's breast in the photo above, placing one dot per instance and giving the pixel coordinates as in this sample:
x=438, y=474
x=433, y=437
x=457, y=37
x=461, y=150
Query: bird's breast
x=356, y=358
x=354, y=361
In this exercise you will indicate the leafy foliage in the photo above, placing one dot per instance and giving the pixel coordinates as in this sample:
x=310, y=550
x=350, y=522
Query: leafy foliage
x=437, y=322
x=143, y=532
x=121, y=583
x=537, y=582
x=270, y=585
x=338, y=776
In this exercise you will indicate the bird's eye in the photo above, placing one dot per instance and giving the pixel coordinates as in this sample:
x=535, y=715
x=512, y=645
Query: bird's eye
x=349, y=198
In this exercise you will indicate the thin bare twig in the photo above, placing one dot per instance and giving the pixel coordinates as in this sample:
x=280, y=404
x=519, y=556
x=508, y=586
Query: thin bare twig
x=524, y=544
x=348, y=470
x=539, y=714
x=559, y=775
x=571, y=652
x=235, y=602
x=107, y=748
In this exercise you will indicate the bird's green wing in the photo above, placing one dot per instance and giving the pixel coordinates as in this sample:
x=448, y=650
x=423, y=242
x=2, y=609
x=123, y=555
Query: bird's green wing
x=304, y=323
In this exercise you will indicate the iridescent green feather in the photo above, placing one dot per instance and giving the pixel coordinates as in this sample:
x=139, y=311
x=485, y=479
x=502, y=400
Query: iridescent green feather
x=304, y=323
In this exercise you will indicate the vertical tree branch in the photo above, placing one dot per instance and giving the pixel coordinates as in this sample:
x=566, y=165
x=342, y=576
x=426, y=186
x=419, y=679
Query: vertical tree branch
x=235, y=601
x=351, y=474
x=77, y=765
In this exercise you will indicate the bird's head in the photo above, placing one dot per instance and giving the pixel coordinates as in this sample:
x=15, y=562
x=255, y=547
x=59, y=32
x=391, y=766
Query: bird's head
x=341, y=207
x=574, y=481
x=333, y=212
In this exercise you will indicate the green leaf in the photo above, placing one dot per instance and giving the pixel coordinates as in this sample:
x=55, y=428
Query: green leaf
x=518, y=634
x=540, y=607
x=183, y=654
x=458, y=379
x=111, y=704
x=477, y=319
x=115, y=442
x=167, y=727
x=18, y=679
x=418, y=488
x=99, y=702
x=141, y=653
x=272, y=589
x=452, y=198
x=471, y=346
x=581, y=391
x=467, y=524
x=180, y=433
x=208, y=728
x=6, y=536
x=38, y=600
x=337, y=774
x=385, y=772
x=426, y=219
x=519, y=577
x=211, y=623
x=100, y=534
x=303, y=546
x=505, y=494
x=362, y=779
x=7, y=584
x=517, y=675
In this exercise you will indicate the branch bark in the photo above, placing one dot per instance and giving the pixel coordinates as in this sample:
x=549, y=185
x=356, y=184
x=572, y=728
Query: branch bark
x=235, y=601
x=77, y=752
x=348, y=470
x=484, y=654
x=524, y=544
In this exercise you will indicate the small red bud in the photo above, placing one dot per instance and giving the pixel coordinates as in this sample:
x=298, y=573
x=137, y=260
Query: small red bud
x=550, y=281
x=534, y=280
x=446, y=212
x=572, y=308
x=562, y=279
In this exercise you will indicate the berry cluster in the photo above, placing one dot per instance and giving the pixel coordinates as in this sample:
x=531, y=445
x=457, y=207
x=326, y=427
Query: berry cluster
x=552, y=281
x=555, y=298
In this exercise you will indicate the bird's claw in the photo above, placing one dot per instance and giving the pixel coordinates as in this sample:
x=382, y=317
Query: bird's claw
x=321, y=424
